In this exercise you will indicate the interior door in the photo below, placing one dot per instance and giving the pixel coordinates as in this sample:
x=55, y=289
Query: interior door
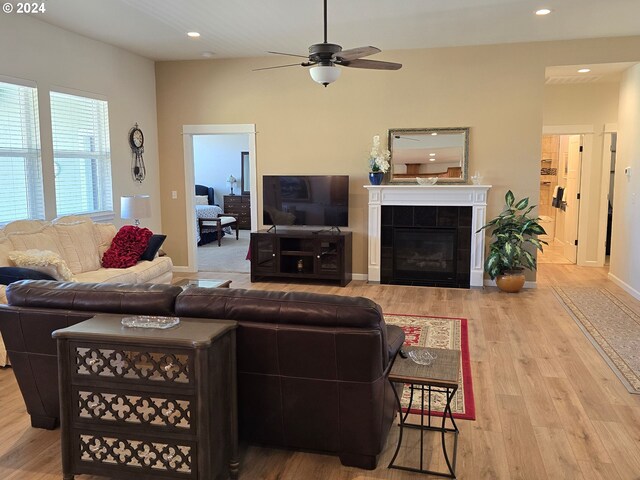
x=571, y=194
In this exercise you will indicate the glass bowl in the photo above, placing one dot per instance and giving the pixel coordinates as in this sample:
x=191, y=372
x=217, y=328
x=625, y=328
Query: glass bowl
x=426, y=181
x=422, y=356
x=150, y=321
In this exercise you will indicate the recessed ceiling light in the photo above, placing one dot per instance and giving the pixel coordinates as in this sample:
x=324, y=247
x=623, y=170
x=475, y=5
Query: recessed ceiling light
x=432, y=154
x=434, y=133
x=543, y=11
x=193, y=34
x=584, y=70
x=207, y=54
x=432, y=159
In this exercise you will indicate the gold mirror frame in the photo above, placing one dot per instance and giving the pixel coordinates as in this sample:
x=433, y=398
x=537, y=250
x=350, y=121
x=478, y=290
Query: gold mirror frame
x=428, y=133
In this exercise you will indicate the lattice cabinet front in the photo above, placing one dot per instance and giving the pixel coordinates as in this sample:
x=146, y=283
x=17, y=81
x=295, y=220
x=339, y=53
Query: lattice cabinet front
x=157, y=405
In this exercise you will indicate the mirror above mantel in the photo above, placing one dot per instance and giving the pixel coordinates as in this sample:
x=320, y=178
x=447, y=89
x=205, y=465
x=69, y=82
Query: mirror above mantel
x=429, y=152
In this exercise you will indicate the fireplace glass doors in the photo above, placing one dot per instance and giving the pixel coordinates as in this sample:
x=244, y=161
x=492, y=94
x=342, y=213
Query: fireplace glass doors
x=421, y=254
x=428, y=246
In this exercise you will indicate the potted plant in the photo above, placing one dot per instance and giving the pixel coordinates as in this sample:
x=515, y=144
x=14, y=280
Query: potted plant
x=378, y=162
x=512, y=231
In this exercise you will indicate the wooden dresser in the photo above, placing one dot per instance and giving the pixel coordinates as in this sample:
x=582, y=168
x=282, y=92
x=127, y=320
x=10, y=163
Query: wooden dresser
x=240, y=207
x=148, y=404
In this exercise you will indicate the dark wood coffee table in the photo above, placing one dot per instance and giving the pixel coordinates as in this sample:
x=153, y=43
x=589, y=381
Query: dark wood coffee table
x=441, y=376
x=203, y=283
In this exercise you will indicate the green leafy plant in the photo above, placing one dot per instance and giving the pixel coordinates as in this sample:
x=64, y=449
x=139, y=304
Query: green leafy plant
x=512, y=230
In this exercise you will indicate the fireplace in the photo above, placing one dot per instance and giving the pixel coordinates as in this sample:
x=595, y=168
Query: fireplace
x=414, y=199
x=426, y=245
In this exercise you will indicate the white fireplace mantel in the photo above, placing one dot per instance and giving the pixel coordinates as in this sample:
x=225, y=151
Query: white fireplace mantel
x=432, y=195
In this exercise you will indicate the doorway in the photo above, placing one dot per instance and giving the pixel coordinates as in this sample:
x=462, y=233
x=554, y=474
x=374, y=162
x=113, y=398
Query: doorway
x=195, y=137
x=559, y=209
x=222, y=187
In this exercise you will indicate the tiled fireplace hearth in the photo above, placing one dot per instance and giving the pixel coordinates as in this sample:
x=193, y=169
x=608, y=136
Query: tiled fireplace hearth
x=409, y=244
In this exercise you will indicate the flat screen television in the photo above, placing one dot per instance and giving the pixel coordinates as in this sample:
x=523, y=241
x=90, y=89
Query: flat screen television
x=316, y=200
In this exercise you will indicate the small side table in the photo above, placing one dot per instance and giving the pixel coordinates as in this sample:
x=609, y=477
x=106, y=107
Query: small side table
x=441, y=376
x=203, y=283
x=148, y=403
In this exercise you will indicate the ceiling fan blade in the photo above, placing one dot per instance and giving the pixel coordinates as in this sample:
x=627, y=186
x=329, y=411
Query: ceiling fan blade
x=371, y=64
x=289, y=54
x=355, y=53
x=280, y=66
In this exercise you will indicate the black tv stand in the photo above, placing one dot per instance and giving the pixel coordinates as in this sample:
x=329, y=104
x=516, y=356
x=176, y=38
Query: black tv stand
x=324, y=230
x=301, y=254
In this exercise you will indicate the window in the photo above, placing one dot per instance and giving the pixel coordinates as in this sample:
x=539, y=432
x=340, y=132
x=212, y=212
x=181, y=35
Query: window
x=20, y=161
x=81, y=154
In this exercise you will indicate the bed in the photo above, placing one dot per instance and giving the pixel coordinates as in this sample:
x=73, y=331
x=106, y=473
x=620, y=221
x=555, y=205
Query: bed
x=208, y=211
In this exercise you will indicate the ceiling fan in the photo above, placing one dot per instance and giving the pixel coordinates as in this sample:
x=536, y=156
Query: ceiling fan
x=323, y=58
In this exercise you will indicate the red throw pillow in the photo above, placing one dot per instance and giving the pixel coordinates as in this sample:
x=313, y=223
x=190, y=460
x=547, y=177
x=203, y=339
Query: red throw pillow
x=126, y=247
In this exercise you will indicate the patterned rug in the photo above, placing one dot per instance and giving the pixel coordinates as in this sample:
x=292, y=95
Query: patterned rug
x=439, y=332
x=611, y=326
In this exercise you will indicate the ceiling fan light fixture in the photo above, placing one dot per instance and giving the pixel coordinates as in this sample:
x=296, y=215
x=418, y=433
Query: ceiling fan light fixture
x=324, y=74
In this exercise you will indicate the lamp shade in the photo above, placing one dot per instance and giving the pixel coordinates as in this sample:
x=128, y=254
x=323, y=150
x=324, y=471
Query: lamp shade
x=135, y=206
x=324, y=74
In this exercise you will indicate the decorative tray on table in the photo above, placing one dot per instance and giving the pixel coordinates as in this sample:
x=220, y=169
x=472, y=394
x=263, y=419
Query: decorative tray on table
x=150, y=321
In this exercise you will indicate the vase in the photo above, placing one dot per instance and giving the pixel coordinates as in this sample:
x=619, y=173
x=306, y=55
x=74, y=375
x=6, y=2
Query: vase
x=376, y=178
x=510, y=281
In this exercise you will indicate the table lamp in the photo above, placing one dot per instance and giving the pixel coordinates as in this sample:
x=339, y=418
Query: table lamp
x=232, y=181
x=135, y=207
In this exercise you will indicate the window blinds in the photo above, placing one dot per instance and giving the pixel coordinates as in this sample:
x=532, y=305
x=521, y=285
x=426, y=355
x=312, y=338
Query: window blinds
x=20, y=161
x=81, y=154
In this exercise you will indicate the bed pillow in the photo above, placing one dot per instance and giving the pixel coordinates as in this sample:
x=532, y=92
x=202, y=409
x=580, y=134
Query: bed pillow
x=8, y=275
x=44, y=261
x=202, y=200
x=126, y=247
x=154, y=245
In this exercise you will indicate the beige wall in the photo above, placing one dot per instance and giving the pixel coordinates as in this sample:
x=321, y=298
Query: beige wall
x=53, y=57
x=585, y=104
x=304, y=128
x=625, y=255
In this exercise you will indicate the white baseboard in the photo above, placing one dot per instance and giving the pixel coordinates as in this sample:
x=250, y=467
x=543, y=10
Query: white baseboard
x=492, y=283
x=625, y=286
x=360, y=276
x=591, y=263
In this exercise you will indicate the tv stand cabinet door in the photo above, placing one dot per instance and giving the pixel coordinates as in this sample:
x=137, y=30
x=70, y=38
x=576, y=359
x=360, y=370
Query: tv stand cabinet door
x=264, y=254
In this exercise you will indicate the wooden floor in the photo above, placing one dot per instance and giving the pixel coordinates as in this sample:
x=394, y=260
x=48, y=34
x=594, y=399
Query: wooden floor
x=548, y=407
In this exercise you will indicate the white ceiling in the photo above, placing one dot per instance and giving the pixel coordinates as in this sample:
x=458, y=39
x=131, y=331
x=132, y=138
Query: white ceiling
x=600, y=73
x=157, y=28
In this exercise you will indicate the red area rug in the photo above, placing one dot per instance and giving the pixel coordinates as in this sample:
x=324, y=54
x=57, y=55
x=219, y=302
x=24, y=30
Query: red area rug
x=439, y=332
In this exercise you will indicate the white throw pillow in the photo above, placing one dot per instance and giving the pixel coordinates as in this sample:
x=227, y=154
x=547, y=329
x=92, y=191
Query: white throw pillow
x=44, y=261
x=202, y=200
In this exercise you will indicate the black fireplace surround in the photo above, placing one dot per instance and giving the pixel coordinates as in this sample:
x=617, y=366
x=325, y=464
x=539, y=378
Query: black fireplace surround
x=429, y=246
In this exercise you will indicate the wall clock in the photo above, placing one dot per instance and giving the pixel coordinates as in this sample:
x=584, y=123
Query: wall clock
x=136, y=141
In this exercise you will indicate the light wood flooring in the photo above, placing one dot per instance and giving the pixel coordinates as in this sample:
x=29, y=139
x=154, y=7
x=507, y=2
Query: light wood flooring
x=548, y=407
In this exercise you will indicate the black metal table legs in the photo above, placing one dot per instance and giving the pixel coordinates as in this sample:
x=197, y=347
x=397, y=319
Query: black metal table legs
x=427, y=391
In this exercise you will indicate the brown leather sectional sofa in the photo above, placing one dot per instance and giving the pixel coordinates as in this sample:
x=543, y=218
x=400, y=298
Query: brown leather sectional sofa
x=312, y=369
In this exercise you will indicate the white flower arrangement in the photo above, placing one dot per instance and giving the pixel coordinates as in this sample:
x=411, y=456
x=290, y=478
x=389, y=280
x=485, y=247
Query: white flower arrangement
x=379, y=158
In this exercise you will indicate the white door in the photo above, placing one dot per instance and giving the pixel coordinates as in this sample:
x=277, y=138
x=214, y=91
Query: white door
x=571, y=194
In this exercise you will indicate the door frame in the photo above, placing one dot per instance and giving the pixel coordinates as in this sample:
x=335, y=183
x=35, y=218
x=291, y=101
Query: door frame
x=586, y=173
x=188, y=132
x=609, y=129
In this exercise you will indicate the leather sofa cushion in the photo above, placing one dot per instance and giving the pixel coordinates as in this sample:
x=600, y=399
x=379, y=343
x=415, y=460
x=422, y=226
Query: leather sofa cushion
x=298, y=308
x=101, y=297
x=288, y=309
